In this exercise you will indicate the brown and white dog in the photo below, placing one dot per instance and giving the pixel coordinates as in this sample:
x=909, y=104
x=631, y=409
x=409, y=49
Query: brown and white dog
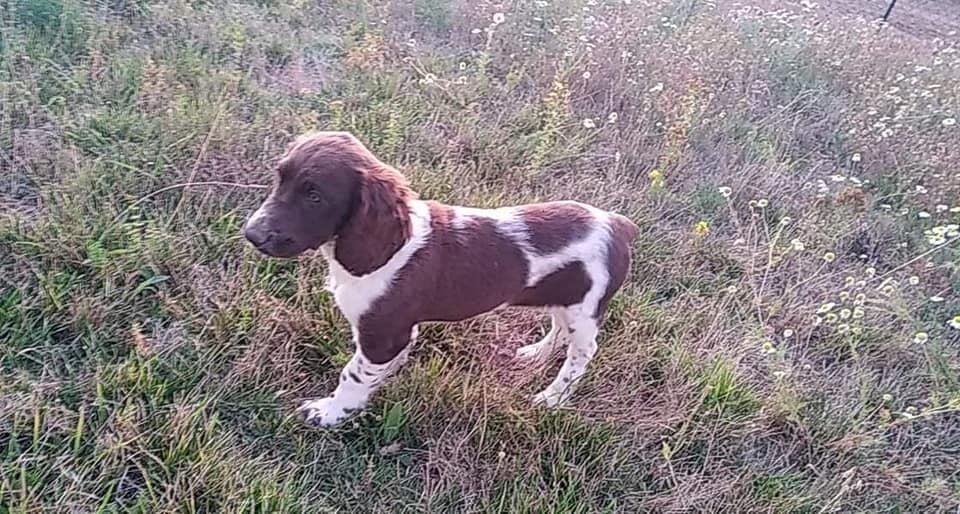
x=396, y=261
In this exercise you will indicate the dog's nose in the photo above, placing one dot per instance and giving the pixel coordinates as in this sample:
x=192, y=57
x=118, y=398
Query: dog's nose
x=256, y=235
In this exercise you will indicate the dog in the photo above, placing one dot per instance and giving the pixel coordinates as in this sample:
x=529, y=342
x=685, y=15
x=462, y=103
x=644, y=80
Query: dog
x=396, y=261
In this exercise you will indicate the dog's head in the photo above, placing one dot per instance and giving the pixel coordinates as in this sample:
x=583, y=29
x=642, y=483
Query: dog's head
x=329, y=186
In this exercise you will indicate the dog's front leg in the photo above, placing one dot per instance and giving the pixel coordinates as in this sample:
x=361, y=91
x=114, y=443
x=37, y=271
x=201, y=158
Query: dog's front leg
x=358, y=380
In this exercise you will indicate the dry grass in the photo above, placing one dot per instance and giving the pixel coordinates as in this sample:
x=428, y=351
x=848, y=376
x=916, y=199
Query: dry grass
x=784, y=343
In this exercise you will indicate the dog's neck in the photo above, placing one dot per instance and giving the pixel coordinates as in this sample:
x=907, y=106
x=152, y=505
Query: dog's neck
x=350, y=264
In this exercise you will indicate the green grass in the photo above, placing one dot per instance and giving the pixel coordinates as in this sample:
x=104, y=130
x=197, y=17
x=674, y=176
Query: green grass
x=151, y=361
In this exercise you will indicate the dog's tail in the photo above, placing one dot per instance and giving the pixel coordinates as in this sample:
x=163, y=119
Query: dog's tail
x=623, y=228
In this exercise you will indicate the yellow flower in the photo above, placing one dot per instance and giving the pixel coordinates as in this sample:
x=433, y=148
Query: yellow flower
x=921, y=337
x=701, y=229
x=955, y=322
x=656, y=180
x=829, y=256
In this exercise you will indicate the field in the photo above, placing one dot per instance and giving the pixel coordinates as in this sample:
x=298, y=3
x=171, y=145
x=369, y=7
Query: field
x=788, y=340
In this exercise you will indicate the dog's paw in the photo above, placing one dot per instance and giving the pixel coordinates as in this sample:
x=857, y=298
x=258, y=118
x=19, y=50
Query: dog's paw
x=531, y=353
x=322, y=413
x=549, y=398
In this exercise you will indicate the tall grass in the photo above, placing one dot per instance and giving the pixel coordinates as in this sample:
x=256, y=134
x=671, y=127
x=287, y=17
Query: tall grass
x=787, y=341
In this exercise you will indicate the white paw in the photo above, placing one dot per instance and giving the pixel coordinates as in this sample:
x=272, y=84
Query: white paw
x=550, y=398
x=324, y=412
x=530, y=352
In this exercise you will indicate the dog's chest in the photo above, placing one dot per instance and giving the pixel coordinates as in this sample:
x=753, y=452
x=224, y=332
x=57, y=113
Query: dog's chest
x=351, y=296
x=355, y=295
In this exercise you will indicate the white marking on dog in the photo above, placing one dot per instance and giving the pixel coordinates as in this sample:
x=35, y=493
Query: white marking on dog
x=353, y=294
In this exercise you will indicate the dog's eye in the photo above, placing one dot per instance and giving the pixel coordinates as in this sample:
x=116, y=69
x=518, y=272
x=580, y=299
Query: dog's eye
x=313, y=195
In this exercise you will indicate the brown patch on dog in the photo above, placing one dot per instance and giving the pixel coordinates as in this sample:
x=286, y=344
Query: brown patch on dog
x=469, y=268
x=552, y=226
x=622, y=232
x=379, y=225
x=459, y=273
x=563, y=287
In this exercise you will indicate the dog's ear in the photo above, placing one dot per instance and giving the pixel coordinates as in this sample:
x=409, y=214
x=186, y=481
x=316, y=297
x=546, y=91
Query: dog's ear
x=379, y=223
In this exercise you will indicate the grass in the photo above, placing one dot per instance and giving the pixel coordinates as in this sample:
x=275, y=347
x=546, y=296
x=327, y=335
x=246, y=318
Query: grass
x=793, y=172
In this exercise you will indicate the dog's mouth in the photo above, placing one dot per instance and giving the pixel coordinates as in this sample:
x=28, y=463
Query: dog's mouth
x=273, y=244
x=277, y=251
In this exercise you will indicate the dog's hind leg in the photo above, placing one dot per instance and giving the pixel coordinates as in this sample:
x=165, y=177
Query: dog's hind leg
x=581, y=349
x=541, y=350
